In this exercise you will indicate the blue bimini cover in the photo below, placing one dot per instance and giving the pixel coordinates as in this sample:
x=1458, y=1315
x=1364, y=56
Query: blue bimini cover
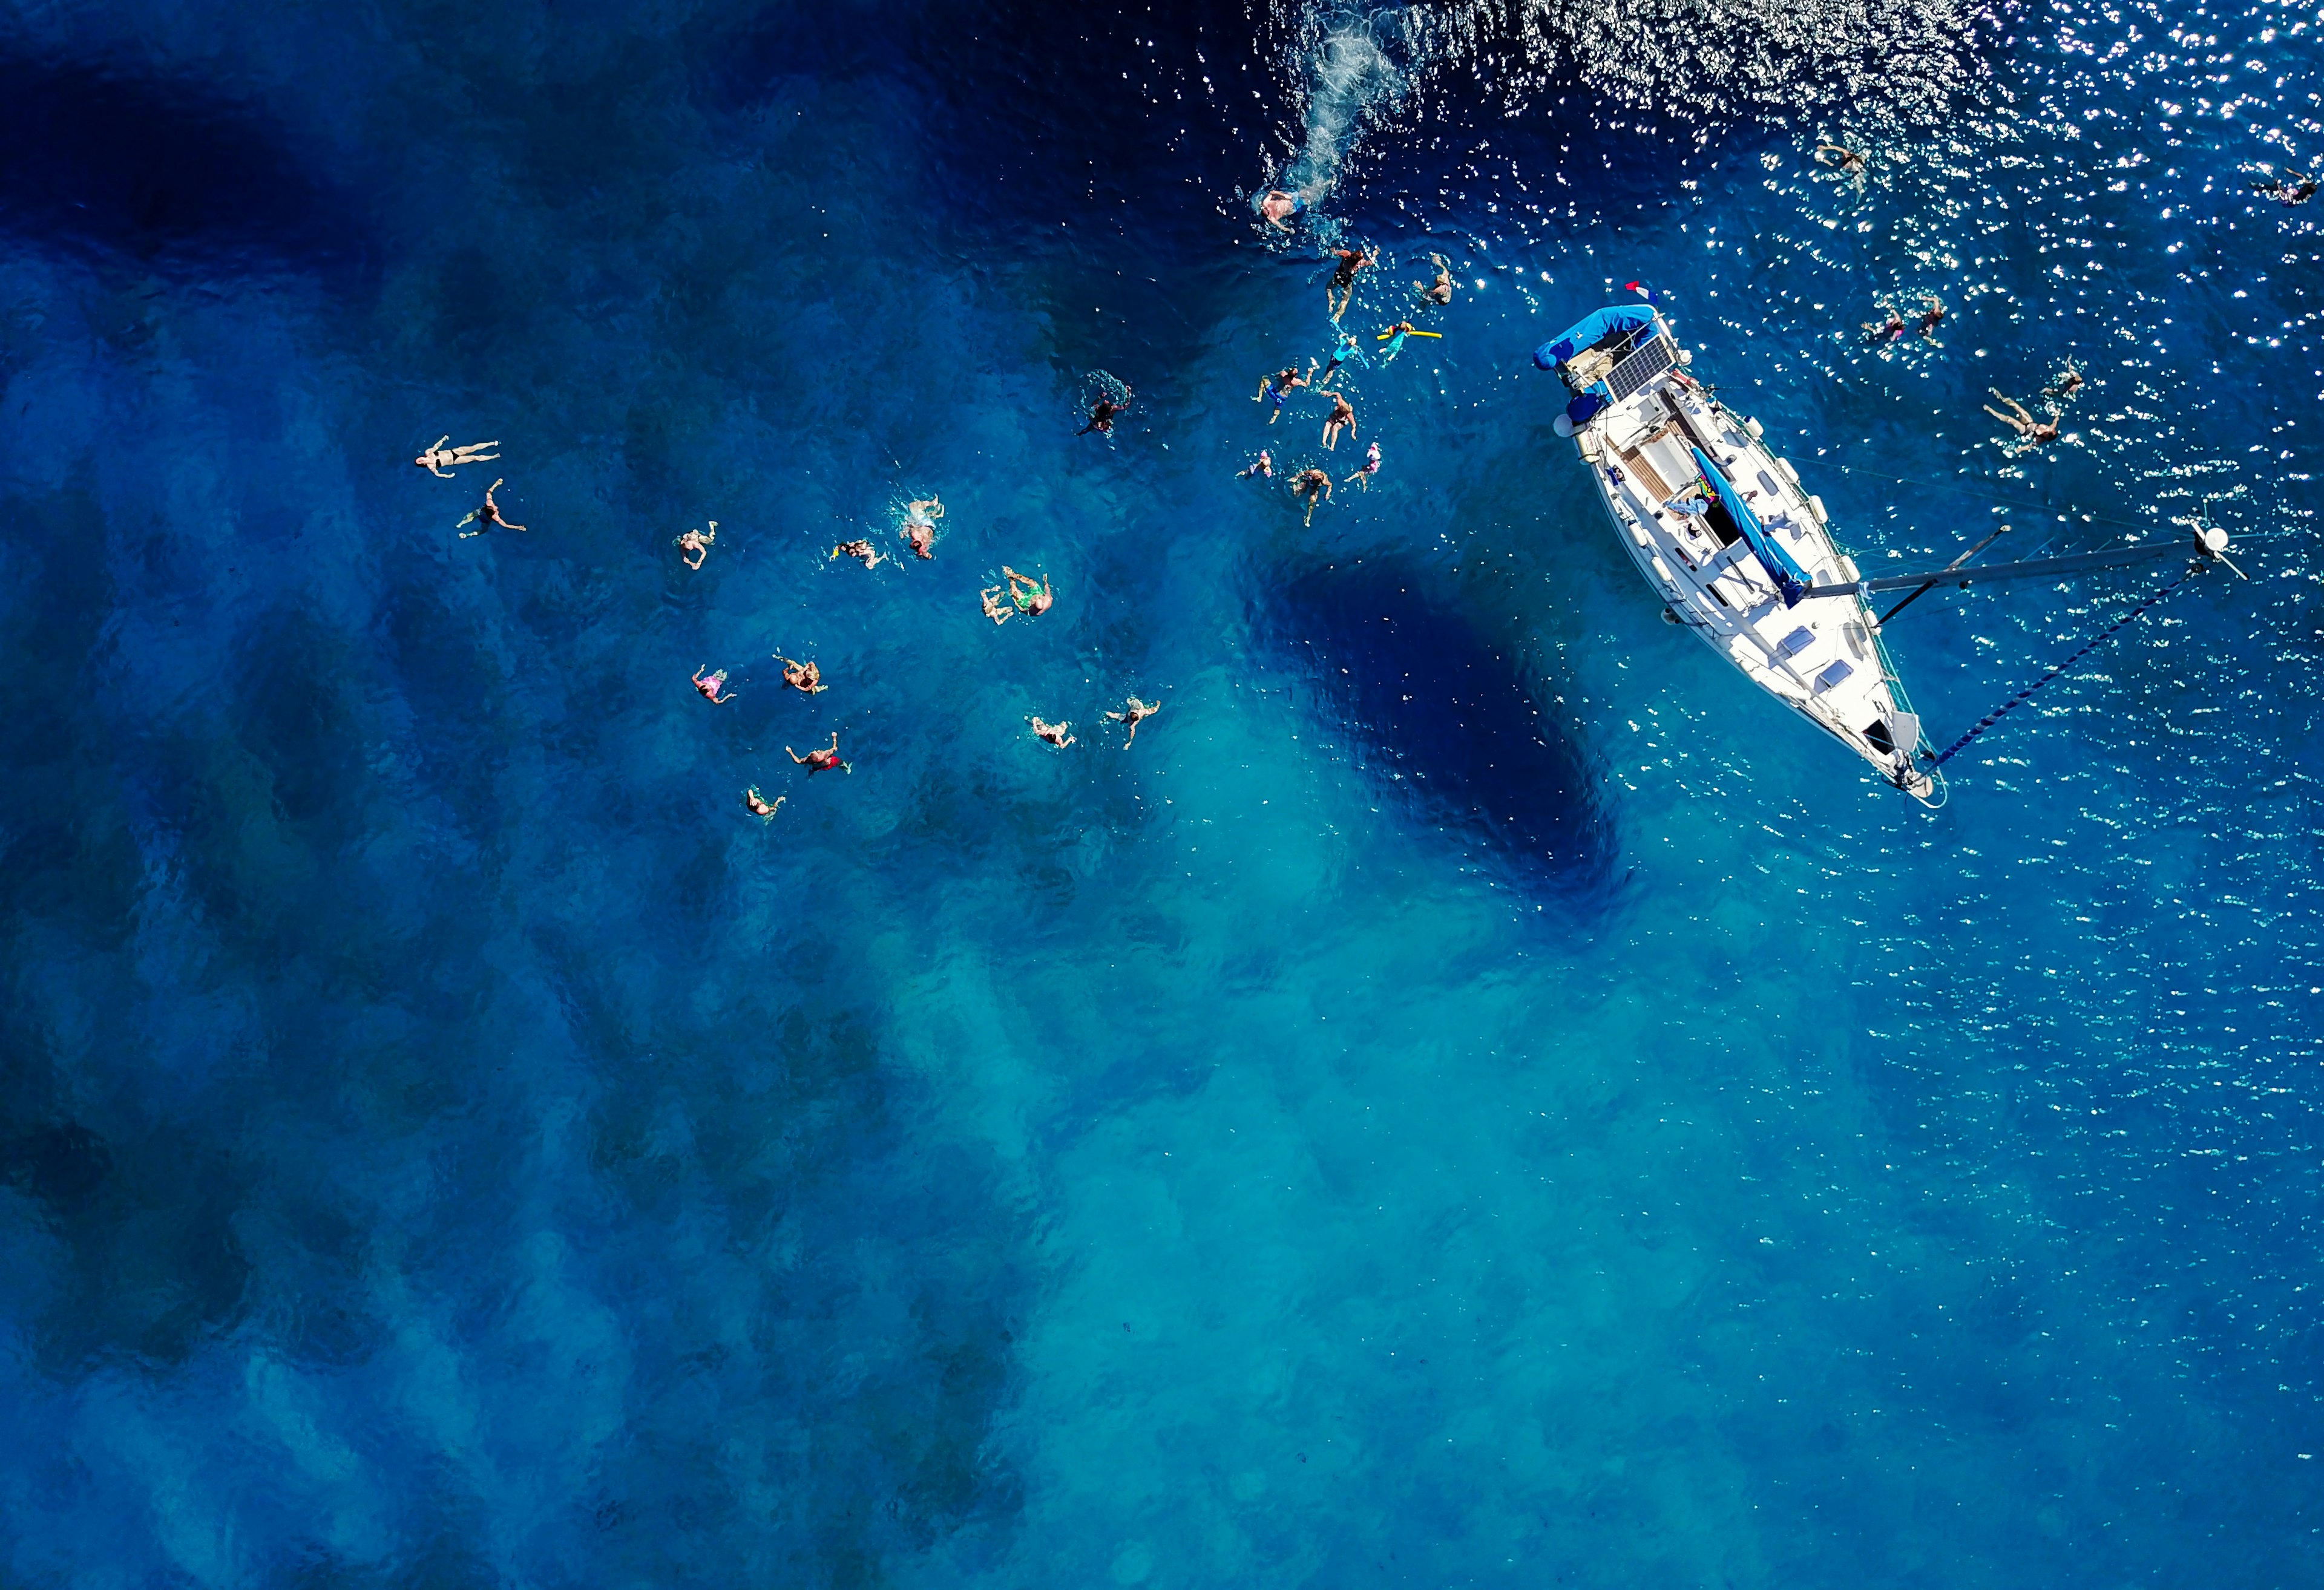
x=1789, y=578
x=1614, y=317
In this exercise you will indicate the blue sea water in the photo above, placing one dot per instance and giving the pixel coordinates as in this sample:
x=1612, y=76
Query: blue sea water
x=1473, y=1095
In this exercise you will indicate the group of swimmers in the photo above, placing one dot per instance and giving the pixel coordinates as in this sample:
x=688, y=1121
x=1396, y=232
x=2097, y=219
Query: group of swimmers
x=1022, y=593
x=1313, y=485
x=2032, y=433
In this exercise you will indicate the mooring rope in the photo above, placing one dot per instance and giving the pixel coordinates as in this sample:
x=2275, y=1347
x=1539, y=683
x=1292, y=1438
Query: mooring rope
x=1994, y=716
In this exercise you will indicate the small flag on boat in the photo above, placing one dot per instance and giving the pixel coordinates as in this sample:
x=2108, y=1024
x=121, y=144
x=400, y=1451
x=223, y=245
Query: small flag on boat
x=1640, y=289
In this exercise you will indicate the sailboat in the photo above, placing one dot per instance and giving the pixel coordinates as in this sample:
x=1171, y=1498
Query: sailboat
x=1729, y=540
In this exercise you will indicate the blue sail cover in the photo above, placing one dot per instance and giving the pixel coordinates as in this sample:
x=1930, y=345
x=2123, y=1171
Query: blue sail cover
x=1789, y=578
x=1612, y=319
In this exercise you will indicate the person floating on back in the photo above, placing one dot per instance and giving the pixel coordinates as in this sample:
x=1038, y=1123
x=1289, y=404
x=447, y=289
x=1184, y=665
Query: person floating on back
x=488, y=517
x=2031, y=432
x=1316, y=486
x=1343, y=417
x=1440, y=291
x=711, y=686
x=758, y=803
x=805, y=677
x=1055, y=734
x=440, y=461
x=695, y=545
x=1343, y=275
x=823, y=761
x=1133, y=713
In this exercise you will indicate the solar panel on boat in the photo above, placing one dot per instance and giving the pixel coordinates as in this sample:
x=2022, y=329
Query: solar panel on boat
x=1632, y=374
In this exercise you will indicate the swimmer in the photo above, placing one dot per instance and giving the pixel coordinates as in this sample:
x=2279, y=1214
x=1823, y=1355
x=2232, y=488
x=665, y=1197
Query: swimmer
x=2299, y=190
x=1370, y=468
x=1885, y=331
x=1102, y=413
x=758, y=803
x=1281, y=385
x=1846, y=161
x=2065, y=384
x=1932, y=318
x=695, y=545
x=862, y=549
x=440, y=461
x=488, y=517
x=1309, y=484
x=1343, y=275
x=1263, y=466
x=1133, y=713
x=1393, y=336
x=711, y=686
x=1033, y=597
x=995, y=609
x=1440, y=291
x=1343, y=417
x=2031, y=433
x=801, y=676
x=823, y=761
x=1055, y=734
x=1346, y=351
x=919, y=528
x=1276, y=203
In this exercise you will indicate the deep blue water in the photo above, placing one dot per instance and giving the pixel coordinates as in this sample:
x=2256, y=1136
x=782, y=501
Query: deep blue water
x=1474, y=1095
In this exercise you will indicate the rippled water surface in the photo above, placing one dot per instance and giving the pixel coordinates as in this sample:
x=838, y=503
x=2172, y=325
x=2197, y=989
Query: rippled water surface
x=1473, y=1095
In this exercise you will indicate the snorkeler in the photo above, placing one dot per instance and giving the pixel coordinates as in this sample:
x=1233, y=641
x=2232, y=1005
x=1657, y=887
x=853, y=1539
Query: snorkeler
x=488, y=517
x=1370, y=468
x=1885, y=331
x=1316, y=486
x=695, y=545
x=862, y=549
x=1033, y=597
x=711, y=686
x=2065, y=384
x=1055, y=734
x=1440, y=291
x=1276, y=203
x=1133, y=713
x=2031, y=433
x=1281, y=385
x=1263, y=466
x=2299, y=190
x=758, y=803
x=1846, y=161
x=823, y=761
x=1343, y=275
x=440, y=460
x=919, y=526
x=1930, y=318
x=1343, y=417
x=1347, y=349
x=1102, y=413
x=801, y=676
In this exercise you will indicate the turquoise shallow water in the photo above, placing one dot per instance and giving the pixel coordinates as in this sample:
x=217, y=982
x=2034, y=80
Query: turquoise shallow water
x=1474, y=1095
